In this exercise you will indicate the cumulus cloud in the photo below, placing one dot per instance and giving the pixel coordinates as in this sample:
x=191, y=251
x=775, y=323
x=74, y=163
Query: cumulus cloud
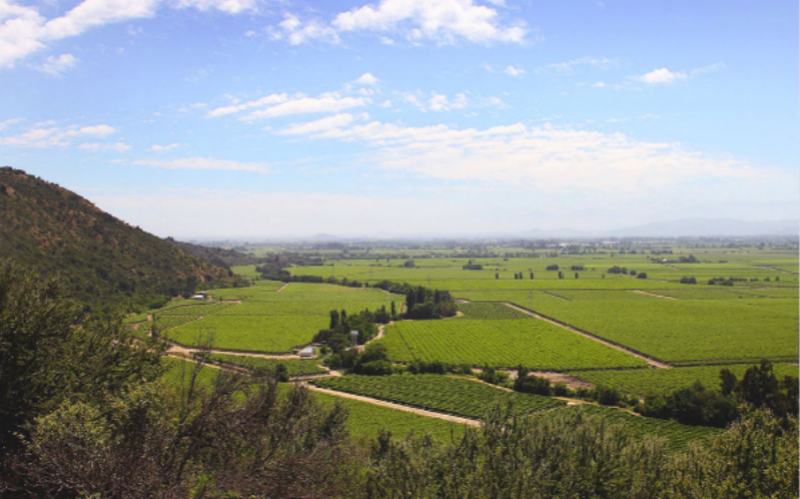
x=514, y=71
x=277, y=105
x=201, y=163
x=444, y=22
x=56, y=66
x=367, y=79
x=24, y=30
x=440, y=102
x=664, y=76
x=46, y=134
x=320, y=125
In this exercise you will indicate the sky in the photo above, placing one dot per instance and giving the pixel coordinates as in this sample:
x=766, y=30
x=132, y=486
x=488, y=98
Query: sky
x=210, y=119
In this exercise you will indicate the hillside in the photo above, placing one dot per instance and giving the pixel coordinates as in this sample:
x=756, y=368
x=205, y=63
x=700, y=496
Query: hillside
x=104, y=262
x=220, y=256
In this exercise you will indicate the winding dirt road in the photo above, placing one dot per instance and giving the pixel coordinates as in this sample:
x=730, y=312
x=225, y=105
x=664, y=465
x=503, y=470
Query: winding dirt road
x=640, y=292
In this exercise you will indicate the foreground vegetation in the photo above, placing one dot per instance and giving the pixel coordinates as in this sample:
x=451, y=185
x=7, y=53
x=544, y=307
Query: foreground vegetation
x=85, y=411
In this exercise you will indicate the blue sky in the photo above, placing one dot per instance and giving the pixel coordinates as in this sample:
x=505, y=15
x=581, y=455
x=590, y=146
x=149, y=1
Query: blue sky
x=250, y=118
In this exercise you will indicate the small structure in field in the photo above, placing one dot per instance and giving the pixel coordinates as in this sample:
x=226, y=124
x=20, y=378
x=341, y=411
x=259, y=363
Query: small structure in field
x=353, y=338
x=201, y=295
x=307, y=353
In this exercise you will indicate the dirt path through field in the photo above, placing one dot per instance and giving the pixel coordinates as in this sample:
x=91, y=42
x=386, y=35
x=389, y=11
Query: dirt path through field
x=776, y=270
x=639, y=291
x=556, y=296
x=649, y=360
x=281, y=288
x=188, y=351
x=392, y=405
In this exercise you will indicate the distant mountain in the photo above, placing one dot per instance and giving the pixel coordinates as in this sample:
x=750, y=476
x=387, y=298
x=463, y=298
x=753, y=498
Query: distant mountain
x=691, y=227
x=103, y=261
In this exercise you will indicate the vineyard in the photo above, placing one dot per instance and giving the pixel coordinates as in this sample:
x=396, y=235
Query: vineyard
x=650, y=381
x=678, y=436
x=438, y=393
x=529, y=342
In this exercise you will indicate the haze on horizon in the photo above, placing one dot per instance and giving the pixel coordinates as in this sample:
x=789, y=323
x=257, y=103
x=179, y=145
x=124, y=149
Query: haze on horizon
x=227, y=118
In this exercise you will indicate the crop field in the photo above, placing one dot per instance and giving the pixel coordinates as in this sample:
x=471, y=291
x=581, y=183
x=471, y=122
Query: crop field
x=266, y=320
x=254, y=333
x=652, y=381
x=529, y=342
x=687, y=331
x=439, y=393
x=489, y=311
x=294, y=367
x=677, y=435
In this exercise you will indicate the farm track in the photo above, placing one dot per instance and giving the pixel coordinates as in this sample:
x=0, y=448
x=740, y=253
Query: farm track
x=649, y=360
x=188, y=351
x=392, y=405
x=555, y=296
x=281, y=288
x=639, y=291
x=766, y=267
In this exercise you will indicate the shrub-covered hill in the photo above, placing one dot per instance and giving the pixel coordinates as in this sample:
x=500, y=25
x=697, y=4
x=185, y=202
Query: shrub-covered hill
x=105, y=262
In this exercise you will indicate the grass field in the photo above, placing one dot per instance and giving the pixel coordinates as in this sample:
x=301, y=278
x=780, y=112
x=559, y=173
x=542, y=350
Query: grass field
x=654, y=381
x=448, y=394
x=507, y=343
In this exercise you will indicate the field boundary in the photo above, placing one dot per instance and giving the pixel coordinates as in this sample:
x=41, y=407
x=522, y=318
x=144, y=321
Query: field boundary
x=393, y=405
x=650, y=360
x=645, y=293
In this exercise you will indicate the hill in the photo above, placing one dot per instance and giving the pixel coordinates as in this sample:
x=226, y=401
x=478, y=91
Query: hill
x=104, y=262
x=692, y=227
x=223, y=257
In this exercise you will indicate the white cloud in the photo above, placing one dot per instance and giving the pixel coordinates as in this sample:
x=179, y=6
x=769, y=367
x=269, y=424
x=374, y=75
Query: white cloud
x=200, y=163
x=367, y=79
x=7, y=123
x=599, y=84
x=25, y=30
x=227, y=6
x=386, y=104
x=57, y=66
x=166, y=148
x=569, y=66
x=444, y=22
x=547, y=159
x=277, y=105
x=514, y=71
x=99, y=146
x=440, y=102
x=45, y=134
x=296, y=32
x=320, y=125
x=488, y=67
x=662, y=76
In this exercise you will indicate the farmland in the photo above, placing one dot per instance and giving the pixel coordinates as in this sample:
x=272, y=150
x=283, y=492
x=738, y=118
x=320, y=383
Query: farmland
x=678, y=435
x=294, y=367
x=266, y=320
x=651, y=381
x=508, y=343
x=695, y=328
x=439, y=393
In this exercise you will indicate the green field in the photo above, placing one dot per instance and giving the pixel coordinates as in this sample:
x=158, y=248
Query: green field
x=687, y=331
x=268, y=320
x=436, y=392
x=294, y=367
x=677, y=435
x=529, y=342
x=365, y=420
x=654, y=381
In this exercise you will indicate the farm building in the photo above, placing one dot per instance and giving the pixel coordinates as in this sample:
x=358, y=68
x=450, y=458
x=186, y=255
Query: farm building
x=307, y=353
